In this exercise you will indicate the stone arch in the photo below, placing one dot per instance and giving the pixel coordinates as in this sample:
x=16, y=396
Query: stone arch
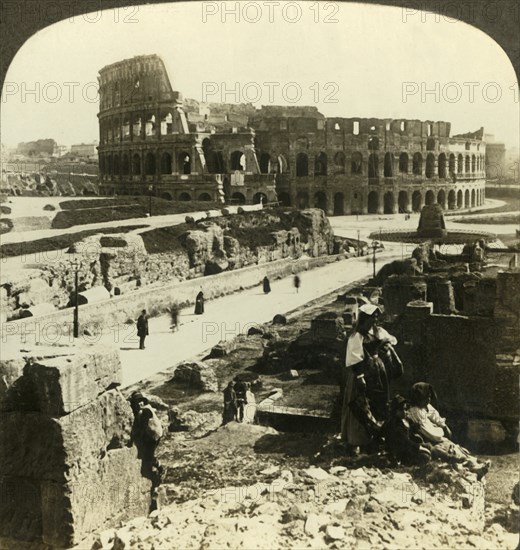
x=185, y=197
x=166, y=163
x=302, y=165
x=166, y=124
x=149, y=164
x=259, y=198
x=320, y=164
x=473, y=203
x=281, y=164
x=430, y=165
x=373, y=165
x=473, y=164
x=441, y=169
x=339, y=162
x=441, y=198
x=402, y=201
x=429, y=198
x=466, y=199
x=125, y=165
x=320, y=200
x=388, y=165
x=204, y=197
x=339, y=204
x=166, y=195
x=356, y=163
x=417, y=162
x=136, y=165
x=238, y=198
x=451, y=165
x=460, y=199
x=460, y=164
x=302, y=199
x=416, y=201
x=452, y=200
x=373, y=202
x=467, y=164
x=403, y=163
x=238, y=160
x=184, y=160
x=284, y=198
x=388, y=203
x=264, y=163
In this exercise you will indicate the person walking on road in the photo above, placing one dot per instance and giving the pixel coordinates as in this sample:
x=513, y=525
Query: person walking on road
x=142, y=328
x=297, y=283
x=199, y=303
x=174, y=315
x=266, y=285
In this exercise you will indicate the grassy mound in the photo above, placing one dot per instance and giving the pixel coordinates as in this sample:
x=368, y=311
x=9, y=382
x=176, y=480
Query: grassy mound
x=58, y=242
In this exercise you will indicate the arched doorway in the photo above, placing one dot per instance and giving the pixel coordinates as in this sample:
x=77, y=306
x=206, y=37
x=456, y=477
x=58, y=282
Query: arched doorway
x=320, y=200
x=184, y=163
x=441, y=198
x=417, y=164
x=238, y=160
x=339, y=162
x=466, y=198
x=284, y=198
x=402, y=201
x=460, y=202
x=373, y=165
x=339, y=202
x=260, y=198
x=302, y=165
x=416, y=201
x=373, y=202
x=238, y=198
x=403, y=163
x=473, y=198
x=264, y=163
x=442, y=166
x=389, y=165
x=149, y=165
x=452, y=200
x=185, y=197
x=356, y=164
x=136, y=165
x=302, y=199
x=430, y=165
x=429, y=198
x=166, y=163
x=320, y=165
x=204, y=197
x=388, y=203
x=167, y=196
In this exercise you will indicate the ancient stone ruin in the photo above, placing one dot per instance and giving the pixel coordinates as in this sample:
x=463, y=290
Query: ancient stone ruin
x=68, y=465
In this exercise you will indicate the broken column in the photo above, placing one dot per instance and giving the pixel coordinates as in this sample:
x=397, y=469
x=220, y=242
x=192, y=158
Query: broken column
x=68, y=466
x=440, y=293
x=399, y=290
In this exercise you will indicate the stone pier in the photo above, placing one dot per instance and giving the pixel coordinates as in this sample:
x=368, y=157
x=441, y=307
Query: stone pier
x=68, y=466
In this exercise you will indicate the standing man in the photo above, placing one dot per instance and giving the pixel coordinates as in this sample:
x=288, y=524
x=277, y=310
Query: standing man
x=297, y=283
x=142, y=328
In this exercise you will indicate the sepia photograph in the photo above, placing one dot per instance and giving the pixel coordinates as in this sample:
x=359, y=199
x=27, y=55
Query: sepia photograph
x=259, y=275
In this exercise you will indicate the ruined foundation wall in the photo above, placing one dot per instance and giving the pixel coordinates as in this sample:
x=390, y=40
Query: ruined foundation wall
x=67, y=463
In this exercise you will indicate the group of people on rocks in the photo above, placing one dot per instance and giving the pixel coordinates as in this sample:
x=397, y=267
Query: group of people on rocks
x=412, y=429
x=239, y=402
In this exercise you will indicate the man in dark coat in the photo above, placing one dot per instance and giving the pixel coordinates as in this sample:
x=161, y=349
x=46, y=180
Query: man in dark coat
x=199, y=303
x=142, y=328
x=266, y=285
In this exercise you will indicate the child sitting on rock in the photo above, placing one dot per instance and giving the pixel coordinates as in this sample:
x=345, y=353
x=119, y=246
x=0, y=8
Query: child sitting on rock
x=400, y=441
x=430, y=425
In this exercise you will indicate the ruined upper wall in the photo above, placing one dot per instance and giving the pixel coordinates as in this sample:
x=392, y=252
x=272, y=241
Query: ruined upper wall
x=137, y=81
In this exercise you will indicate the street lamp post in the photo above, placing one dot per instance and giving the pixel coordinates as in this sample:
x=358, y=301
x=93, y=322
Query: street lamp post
x=358, y=249
x=75, y=323
x=374, y=246
x=150, y=193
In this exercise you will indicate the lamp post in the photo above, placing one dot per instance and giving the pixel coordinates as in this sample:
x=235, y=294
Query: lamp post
x=150, y=193
x=75, y=322
x=374, y=246
x=358, y=249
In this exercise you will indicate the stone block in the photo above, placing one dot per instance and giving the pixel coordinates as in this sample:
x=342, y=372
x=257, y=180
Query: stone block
x=97, y=498
x=197, y=375
x=63, y=384
x=224, y=347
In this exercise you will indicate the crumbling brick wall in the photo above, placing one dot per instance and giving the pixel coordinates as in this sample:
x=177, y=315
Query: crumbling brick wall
x=67, y=462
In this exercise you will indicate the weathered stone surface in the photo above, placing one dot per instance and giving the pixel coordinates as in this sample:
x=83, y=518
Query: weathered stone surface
x=63, y=384
x=197, y=375
x=279, y=319
x=224, y=347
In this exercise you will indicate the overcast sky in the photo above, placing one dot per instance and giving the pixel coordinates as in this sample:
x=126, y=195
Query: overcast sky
x=375, y=61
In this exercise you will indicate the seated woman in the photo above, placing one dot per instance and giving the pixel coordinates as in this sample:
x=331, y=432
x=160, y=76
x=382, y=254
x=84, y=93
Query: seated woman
x=430, y=425
x=400, y=441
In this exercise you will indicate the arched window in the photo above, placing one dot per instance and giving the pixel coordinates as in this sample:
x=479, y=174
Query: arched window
x=460, y=164
x=339, y=162
x=430, y=165
x=265, y=163
x=417, y=164
x=403, y=163
x=442, y=166
x=320, y=165
x=136, y=165
x=356, y=163
x=373, y=165
x=184, y=163
x=149, y=164
x=388, y=165
x=166, y=163
x=302, y=165
x=238, y=160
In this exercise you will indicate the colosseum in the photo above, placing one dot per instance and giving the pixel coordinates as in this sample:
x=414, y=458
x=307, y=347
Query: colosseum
x=153, y=141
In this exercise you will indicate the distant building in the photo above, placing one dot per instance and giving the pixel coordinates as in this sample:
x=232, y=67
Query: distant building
x=496, y=168
x=84, y=150
x=61, y=150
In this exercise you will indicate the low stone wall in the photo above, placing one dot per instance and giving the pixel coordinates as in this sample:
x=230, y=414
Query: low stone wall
x=68, y=466
x=157, y=299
